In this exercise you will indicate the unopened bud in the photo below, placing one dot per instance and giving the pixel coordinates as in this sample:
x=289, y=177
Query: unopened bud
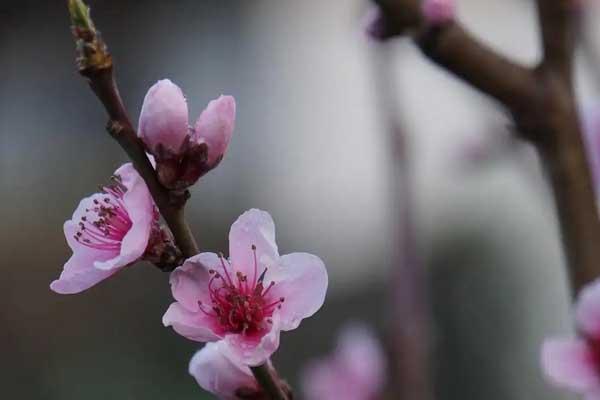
x=183, y=154
x=439, y=12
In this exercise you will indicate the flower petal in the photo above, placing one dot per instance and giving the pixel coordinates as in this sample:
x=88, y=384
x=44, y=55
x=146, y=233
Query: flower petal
x=587, y=309
x=79, y=273
x=593, y=395
x=70, y=227
x=195, y=326
x=361, y=355
x=215, y=127
x=254, y=353
x=301, y=279
x=189, y=282
x=321, y=381
x=254, y=227
x=219, y=373
x=569, y=363
x=164, y=117
x=140, y=208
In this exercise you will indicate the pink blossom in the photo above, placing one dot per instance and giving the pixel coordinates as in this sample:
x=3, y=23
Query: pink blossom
x=438, y=12
x=375, y=23
x=183, y=154
x=246, y=300
x=108, y=231
x=218, y=371
x=355, y=371
x=575, y=363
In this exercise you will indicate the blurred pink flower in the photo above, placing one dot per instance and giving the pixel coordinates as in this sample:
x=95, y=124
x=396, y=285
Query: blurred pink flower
x=355, y=371
x=108, y=231
x=249, y=299
x=218, y=371
x=437, y=12
x=575, y=363
x=375, y=24
x=183, y=154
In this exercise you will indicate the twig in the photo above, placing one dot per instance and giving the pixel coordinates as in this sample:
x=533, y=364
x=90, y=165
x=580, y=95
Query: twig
x=267, y=379
x=542, y=103
x=411, y=316
x=95, y=64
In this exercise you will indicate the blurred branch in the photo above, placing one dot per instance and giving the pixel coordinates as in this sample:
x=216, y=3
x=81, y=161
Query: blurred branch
x=542, y=103
x=410, y=338
x=95, y=64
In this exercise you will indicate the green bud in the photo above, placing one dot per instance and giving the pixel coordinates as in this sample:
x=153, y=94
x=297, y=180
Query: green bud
x=80, y=16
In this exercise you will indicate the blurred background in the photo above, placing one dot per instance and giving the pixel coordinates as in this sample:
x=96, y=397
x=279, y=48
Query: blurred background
x=311, y=148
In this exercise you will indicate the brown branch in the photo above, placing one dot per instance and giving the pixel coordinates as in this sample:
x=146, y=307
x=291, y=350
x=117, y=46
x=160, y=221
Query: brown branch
x=267, y=378
x=543, y=105
x=95, y=64
x=409, y=342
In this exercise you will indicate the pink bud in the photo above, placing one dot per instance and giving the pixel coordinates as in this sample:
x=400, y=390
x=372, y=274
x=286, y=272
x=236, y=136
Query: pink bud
x=183, y=154
x=374, y=23
x=573, y=363
x=163, y=124
x=218, y=371
x=438, y=12
x=215, y=127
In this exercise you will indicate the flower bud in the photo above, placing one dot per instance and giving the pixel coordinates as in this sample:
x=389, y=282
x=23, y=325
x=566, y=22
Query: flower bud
x=163, y=125
x=182, y=154
x=215, y=127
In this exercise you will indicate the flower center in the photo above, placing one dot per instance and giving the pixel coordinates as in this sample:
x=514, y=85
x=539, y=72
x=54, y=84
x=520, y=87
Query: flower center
x=105, y=224
x=240, y=305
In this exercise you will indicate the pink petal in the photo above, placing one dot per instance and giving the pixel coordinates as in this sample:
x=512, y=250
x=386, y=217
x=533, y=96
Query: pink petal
x=301, y=279
x=140, y=208
x=355, y=371
x=587, y=309
x=218, y=372
x=215, y=127
x=164, y=117
x=249, y=351
x=362, y=355
x=569, y=363
x=70, y=226
x=254, y=227
x=195, y=326
x=79, y=273
x=438, y=12
x=189, y=283
x=320, y=381
x=593, y=395
x=375, y=23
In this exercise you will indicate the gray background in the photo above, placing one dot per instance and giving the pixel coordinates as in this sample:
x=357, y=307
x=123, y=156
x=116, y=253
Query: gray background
x=309, y=147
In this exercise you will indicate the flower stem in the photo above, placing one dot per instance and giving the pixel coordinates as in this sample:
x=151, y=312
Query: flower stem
x=270, y=383
x=95, y=64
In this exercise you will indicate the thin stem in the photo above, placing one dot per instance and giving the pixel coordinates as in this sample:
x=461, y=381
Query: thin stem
x=269, y=382
x=411, y=315
x=95, y=64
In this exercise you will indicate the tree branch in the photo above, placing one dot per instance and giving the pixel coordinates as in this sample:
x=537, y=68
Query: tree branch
x=95, y=64
x=542, y=103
